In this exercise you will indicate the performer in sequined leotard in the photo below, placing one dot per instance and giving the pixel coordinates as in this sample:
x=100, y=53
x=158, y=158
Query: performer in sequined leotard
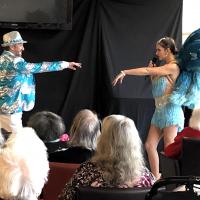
x=168, y=118
x=166, y=113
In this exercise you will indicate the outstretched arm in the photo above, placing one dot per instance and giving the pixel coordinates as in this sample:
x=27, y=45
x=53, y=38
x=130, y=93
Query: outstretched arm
x=138, y=71
x=24, y=67
x=143, y=71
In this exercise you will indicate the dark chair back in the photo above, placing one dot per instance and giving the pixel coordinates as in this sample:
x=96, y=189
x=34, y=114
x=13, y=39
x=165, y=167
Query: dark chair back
x=169, y=166
x=190, y=159
x=189, y=162
x=158, y=192
x=91, y=193
x=59, y=174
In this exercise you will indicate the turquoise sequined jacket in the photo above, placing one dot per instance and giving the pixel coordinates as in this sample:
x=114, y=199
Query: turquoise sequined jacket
x=17, y=84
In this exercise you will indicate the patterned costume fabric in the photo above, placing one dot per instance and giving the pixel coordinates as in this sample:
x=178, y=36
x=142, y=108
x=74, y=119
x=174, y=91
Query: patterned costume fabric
x=166, y=113
x=89, y=173
x=17, y=85
x=187, y=88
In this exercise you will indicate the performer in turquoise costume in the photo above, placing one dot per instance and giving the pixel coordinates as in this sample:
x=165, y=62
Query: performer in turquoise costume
x=187, y=87
x=17, y=85
x=168, y=118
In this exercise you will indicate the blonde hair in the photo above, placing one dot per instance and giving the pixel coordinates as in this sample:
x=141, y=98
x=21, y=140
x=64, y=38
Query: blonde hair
x=85, y=129
x=194, y=121
x=23, y=166
x=119, y=153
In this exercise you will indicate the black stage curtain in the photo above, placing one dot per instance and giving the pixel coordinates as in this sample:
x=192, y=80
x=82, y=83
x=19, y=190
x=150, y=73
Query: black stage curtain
x=107, y=36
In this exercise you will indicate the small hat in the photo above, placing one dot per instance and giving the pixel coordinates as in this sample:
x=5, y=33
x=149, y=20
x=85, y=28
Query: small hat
x=12, y=38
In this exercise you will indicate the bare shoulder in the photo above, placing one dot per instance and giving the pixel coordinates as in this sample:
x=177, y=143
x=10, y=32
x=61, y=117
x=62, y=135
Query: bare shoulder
x=172, y=67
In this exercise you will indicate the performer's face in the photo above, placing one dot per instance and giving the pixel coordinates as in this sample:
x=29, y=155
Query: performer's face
x=17, y=49
x=161, y=52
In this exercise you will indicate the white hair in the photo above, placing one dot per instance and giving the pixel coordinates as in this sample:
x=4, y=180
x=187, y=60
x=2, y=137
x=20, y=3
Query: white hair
x=23, y=166
x=195, y=119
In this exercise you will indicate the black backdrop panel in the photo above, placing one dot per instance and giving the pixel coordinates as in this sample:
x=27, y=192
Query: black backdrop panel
x=107, y=36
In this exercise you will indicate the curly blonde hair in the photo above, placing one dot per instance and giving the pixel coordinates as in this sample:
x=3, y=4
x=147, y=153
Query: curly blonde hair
x=119, y=150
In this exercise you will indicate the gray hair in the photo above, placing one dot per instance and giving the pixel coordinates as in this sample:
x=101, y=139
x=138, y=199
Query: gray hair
x=194, y=121
x=119, y=150
x=48, y=125
x=85, y=129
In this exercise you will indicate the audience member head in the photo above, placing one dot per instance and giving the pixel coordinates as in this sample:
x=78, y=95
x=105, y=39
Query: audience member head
x=85, y=129
x=48, y=126
x=195, y=119
x=23, y=166
x=119, y=150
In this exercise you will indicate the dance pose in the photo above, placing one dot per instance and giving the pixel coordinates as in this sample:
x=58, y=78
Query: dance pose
x=168, y=118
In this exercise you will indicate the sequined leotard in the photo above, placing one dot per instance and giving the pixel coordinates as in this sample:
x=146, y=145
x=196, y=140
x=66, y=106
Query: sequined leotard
x=166, y=114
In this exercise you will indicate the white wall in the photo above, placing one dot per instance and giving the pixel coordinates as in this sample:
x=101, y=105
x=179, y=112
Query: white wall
x=191, y=17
